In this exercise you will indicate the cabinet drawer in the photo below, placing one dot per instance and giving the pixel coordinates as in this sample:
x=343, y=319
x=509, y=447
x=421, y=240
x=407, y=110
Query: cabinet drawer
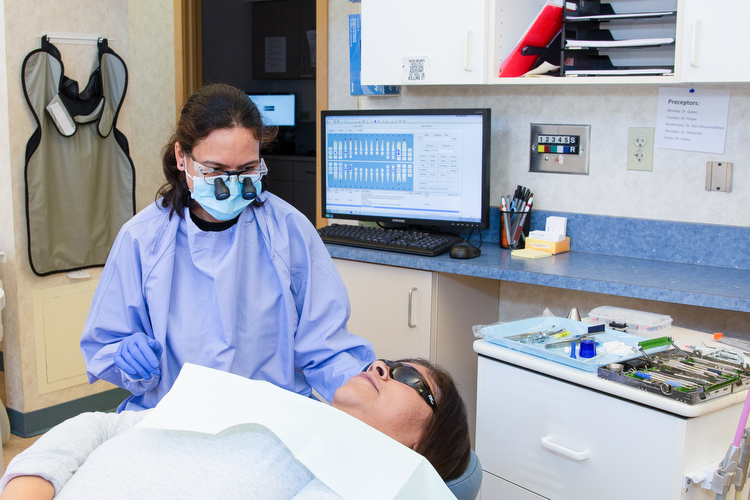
x=563, y=441
x=280, y=169
x=304, y=171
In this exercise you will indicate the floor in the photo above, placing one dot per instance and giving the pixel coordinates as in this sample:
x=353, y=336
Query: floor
x=15, y=444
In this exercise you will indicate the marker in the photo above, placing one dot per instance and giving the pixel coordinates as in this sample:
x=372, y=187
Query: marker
x=522, y=219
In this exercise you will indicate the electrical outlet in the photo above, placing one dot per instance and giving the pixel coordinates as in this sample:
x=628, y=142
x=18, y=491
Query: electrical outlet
x=640, y=148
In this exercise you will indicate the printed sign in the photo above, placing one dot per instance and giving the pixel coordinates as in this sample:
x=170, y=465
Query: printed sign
x=416, y=70
x=691, y=119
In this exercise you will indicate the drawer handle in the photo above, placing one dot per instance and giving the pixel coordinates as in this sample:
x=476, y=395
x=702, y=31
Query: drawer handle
x=411, y=300
x=576, y=456
x=695, y=43
x=469, y=51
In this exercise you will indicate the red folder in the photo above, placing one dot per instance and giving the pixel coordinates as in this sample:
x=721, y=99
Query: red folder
x=540, y=33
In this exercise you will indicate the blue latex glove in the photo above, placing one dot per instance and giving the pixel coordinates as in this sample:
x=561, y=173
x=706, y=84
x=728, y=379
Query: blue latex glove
x=138, y=356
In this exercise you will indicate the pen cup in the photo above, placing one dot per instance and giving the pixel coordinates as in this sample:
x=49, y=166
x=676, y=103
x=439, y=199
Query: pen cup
x=509, y=225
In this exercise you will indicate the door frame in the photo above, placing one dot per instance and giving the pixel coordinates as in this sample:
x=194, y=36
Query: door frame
x=321, y=95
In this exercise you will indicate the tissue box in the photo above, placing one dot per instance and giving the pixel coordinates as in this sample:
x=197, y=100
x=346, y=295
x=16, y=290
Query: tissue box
x=640, y=322
x=549, y=246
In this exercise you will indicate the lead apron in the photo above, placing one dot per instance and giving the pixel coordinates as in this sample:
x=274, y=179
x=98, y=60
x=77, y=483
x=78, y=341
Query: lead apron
x=80, y=180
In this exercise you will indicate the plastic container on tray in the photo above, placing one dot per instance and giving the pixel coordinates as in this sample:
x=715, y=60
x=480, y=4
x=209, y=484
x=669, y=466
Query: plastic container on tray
x=639, y=322
x=499, y=334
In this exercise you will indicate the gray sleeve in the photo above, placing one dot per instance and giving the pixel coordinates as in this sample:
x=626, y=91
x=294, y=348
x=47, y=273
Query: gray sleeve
x=58, y=454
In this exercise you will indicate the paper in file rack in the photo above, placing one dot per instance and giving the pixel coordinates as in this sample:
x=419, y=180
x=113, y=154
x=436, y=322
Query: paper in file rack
x=611, y=17
x=619, y=72
x=608, y=38
x=601, y=44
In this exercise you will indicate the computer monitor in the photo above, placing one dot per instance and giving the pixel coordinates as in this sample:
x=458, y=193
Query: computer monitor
x=410, y=167
x=276, y=109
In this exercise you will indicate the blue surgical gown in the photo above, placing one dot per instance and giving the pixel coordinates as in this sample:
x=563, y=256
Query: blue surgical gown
x=261, y=299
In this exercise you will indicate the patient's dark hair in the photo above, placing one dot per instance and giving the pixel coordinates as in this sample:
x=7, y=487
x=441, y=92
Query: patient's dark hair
x=210, y=108
x=445, y=441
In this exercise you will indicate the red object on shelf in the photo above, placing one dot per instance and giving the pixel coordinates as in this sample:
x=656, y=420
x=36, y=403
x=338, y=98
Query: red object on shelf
x=541, y=32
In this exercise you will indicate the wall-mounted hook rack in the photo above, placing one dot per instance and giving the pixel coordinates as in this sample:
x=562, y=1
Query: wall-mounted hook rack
x=73, y=38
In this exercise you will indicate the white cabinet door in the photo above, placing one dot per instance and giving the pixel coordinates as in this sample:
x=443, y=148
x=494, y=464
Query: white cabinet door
x=714, y=41
x=391, y=307
x=566, y=442
x=423, y=42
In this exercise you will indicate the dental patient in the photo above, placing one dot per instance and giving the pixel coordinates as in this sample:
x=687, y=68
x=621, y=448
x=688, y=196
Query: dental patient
x=104, y=455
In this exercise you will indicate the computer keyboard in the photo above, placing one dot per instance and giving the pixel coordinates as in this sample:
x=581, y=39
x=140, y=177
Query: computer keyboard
x=394, y=240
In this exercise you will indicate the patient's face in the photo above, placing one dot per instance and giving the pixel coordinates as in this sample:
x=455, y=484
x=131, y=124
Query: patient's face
x=390, y=406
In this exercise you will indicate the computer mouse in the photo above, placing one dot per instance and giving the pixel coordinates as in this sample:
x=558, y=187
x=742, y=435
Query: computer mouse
x=465, y=250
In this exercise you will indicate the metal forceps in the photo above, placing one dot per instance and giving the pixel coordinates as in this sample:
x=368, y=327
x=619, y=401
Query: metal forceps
x=534, y=337
x=567, y=342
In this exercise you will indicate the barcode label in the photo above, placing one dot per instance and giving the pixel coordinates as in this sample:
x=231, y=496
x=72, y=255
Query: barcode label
x=416, y=69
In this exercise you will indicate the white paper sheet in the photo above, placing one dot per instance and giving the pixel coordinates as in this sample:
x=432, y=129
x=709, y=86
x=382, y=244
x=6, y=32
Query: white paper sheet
x=352, y=458
x=641, y=42
x=312, y=43
x=275, y=53
x=691, y=119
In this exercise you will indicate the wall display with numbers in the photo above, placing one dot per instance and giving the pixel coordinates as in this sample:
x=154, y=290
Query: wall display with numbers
x=563, y=144
x=560, y=149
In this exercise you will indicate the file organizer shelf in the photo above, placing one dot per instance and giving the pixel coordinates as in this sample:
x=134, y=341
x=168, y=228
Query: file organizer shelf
x=614, y=39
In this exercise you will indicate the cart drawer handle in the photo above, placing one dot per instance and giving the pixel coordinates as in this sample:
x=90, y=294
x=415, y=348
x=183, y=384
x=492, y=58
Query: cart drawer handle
x=576, y=456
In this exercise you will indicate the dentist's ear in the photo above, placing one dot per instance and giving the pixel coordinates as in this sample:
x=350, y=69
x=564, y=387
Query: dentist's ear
x=179, y=156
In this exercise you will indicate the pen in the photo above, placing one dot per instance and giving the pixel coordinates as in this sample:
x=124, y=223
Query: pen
x=517, y=208
x=522, y=218
x=516, y=196
x=505, y=237
x=508, y=217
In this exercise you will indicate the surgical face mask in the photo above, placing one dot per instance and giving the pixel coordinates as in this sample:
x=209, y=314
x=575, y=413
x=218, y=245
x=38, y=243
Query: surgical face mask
x=230, y=188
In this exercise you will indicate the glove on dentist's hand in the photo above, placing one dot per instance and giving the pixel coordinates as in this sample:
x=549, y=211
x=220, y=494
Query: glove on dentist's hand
x=138, y=356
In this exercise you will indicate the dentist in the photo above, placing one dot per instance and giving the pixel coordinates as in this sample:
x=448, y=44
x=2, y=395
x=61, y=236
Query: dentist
x=219, y=272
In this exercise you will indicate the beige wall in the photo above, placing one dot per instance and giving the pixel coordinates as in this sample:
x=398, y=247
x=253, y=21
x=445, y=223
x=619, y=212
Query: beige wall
x=142, y=33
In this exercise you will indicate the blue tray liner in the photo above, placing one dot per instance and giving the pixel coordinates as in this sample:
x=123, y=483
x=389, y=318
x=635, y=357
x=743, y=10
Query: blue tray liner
x=497, y=333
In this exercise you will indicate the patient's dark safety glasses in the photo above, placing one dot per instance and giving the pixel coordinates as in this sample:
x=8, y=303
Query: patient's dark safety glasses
x=410, y=376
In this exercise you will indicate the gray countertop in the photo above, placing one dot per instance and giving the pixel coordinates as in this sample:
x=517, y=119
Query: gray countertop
x=689, y=284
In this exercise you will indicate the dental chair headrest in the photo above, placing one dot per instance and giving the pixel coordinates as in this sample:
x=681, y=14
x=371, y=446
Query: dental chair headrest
x=466, y=487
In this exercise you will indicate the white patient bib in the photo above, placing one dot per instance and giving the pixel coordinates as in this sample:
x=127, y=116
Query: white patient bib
x=352, y=458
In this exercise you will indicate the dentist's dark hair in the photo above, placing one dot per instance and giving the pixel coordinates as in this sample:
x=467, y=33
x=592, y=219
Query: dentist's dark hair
x=210, y=108
x=445, y=441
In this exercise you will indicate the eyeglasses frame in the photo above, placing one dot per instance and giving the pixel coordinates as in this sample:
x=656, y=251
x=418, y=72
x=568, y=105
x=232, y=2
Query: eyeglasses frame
x=424, y=392
x=203, y=170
